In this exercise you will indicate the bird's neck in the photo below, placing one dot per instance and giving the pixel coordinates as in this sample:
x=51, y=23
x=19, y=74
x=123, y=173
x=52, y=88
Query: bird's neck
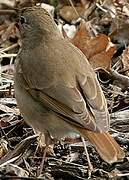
x=35, y=38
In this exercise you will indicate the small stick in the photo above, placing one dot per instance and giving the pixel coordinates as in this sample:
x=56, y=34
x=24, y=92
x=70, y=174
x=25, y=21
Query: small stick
x=90, y=169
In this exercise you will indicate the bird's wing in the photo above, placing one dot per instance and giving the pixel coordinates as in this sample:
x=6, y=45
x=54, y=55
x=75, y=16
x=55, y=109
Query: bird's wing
x=80, y=106
x=95, y=99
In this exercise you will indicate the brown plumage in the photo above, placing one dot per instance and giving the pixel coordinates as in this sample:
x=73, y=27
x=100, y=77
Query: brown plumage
x=57, y=90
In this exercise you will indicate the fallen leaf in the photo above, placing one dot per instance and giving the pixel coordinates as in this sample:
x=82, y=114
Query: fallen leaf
x=103, y=59
x=81, y=38
x=69, y=14
x=97, y=45
x=99, y=50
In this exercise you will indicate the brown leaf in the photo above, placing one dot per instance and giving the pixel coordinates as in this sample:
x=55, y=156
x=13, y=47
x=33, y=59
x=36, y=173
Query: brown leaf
x=102, y=59
x=68, y=13
x=88, y=45
x=97, y=45
x=3, y=122
x=98, y=50
x=82, y=38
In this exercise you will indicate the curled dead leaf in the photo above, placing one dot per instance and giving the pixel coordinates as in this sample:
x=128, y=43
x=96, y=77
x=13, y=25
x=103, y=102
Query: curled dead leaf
x=69, y=14
x=103, y=59
x=99, y=50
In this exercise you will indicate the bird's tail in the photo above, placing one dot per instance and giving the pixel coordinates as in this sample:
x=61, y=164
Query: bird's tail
x=106, y=146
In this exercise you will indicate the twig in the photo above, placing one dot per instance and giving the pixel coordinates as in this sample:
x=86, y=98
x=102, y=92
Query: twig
x=9, y=48
x=122, y=175
x=7, y=55
x=71, y=2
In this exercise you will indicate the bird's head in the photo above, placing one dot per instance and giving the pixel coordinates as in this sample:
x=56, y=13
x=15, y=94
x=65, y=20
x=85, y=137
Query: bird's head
x=35, y=24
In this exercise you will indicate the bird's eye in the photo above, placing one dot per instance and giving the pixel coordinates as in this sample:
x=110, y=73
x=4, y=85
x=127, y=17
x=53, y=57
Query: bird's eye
x=23, y=20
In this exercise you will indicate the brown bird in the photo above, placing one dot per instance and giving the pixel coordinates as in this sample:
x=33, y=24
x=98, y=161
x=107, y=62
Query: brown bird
x=56, y=89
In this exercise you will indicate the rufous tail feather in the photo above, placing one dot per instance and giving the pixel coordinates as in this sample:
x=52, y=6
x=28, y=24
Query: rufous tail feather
x=105, y=144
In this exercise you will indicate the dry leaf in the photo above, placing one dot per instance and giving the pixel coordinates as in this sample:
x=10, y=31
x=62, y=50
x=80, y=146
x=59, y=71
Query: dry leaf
x=103, y=59
x=97, y=45
x=82, y=38
x=87, y=44
x=99, y=50
x=68, y=13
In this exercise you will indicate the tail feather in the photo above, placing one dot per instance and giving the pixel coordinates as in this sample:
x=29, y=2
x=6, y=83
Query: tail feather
x=106, y=146
x=120, y=152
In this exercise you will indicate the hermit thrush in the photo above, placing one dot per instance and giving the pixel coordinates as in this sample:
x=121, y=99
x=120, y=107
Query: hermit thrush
x=56, y=89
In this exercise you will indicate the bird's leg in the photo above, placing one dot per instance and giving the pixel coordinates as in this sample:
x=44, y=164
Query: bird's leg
x=90, y=167
x=41, y=141
x=48, y=141
x=42, y=162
